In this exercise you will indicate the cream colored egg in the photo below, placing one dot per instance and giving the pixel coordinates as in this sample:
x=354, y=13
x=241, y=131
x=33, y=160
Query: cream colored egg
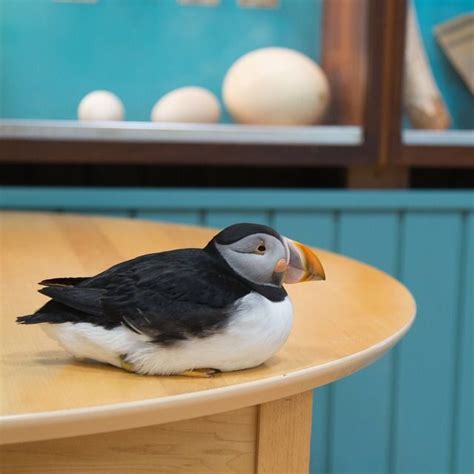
x=100, y=105
x=276, y=86
x=187, y=104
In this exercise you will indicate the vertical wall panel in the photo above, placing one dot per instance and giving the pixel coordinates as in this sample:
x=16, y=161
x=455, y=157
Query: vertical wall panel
x=221, y=219
x=100, y=212
x=463, y=445
x=318, y=229
x=430, y=268
x=361, y=403
x=182, y=217
x=313, y=228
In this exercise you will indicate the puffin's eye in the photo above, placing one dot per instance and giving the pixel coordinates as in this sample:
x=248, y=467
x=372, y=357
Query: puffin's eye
x=261, y=248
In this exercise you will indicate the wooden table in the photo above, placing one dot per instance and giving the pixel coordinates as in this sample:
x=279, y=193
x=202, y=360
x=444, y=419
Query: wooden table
x=80, y=417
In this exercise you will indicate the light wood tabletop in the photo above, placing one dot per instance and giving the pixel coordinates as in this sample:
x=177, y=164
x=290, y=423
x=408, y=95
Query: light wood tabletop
x=341, y=325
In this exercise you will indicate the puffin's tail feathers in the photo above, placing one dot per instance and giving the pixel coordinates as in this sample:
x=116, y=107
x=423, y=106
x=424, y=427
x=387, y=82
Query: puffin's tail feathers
x=62, y=281
x=33, y=318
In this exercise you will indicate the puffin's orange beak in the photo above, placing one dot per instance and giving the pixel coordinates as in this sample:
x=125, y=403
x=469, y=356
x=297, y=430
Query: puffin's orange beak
x=303, y=265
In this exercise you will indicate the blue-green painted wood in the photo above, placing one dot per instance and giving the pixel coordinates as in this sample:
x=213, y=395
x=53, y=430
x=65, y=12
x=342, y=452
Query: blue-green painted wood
x=364, y=447
x=318, y=229
x=221, y=219
x=182, y=217
x=429, y=415
x=224, y=199
x=431, y=269
x=463, y=416
x=315, y=228
x=101, y=212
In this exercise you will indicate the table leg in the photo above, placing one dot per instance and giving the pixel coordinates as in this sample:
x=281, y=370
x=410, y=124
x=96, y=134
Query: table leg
x=284, y=435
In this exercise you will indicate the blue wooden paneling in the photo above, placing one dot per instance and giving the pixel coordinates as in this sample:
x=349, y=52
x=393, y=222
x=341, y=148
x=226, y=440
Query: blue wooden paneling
x=358, y=443
x=101, y=212
x=182, y=217
x=318, y=229
x=411, y=412
x=224, y=218
x=224, y=199
x=463, y=439
x=431, y=269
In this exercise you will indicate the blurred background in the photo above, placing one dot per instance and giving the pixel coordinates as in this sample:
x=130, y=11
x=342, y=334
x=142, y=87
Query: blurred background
x=347, y=124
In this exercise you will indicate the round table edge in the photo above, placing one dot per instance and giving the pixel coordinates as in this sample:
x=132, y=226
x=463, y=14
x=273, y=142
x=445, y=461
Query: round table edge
x=136, y=414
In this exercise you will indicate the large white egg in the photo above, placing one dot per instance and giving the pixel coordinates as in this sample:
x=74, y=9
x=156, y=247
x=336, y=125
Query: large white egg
x=187, y=104
x=276, y=86
x=100, y=105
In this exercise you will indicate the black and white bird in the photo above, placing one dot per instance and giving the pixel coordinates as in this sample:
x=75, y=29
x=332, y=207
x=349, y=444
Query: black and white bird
x=188, y=311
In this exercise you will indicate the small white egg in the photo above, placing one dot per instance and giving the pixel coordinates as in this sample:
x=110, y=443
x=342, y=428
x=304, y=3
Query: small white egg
x=187, y=104
x=100, y=105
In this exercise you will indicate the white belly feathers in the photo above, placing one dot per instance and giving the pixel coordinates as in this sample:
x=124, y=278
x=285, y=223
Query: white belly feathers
x=253, y=334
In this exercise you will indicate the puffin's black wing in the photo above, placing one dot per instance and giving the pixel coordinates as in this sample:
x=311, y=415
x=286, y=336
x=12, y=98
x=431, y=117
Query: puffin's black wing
x=63, y=281
x=168, y=296
x=173, y=295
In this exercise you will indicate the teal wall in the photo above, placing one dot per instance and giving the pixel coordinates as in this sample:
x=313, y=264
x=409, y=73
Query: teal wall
x=52, y=54
x=411, y=412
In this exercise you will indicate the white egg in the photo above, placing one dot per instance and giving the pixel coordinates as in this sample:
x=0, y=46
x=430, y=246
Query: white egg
x=100, y=105
x=187, y=104
x=276, y=86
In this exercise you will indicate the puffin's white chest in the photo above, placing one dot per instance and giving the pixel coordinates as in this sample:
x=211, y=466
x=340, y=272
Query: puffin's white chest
x=260, y=326
x=256, y=330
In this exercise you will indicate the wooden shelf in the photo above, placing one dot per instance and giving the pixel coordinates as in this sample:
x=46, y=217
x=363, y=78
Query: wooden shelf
x=454, y=138
x=31, y=141
x=146, y=132
x=429, y=148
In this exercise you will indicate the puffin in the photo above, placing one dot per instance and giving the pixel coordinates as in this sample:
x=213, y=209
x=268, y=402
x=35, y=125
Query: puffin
x=192, y=312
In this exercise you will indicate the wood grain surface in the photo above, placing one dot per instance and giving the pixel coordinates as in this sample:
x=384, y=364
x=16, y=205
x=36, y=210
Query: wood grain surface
x=284, y=435
x=340, y=326
x=219, y=444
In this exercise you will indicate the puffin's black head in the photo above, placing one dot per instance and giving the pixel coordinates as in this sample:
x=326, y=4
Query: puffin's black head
x=260, y=254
